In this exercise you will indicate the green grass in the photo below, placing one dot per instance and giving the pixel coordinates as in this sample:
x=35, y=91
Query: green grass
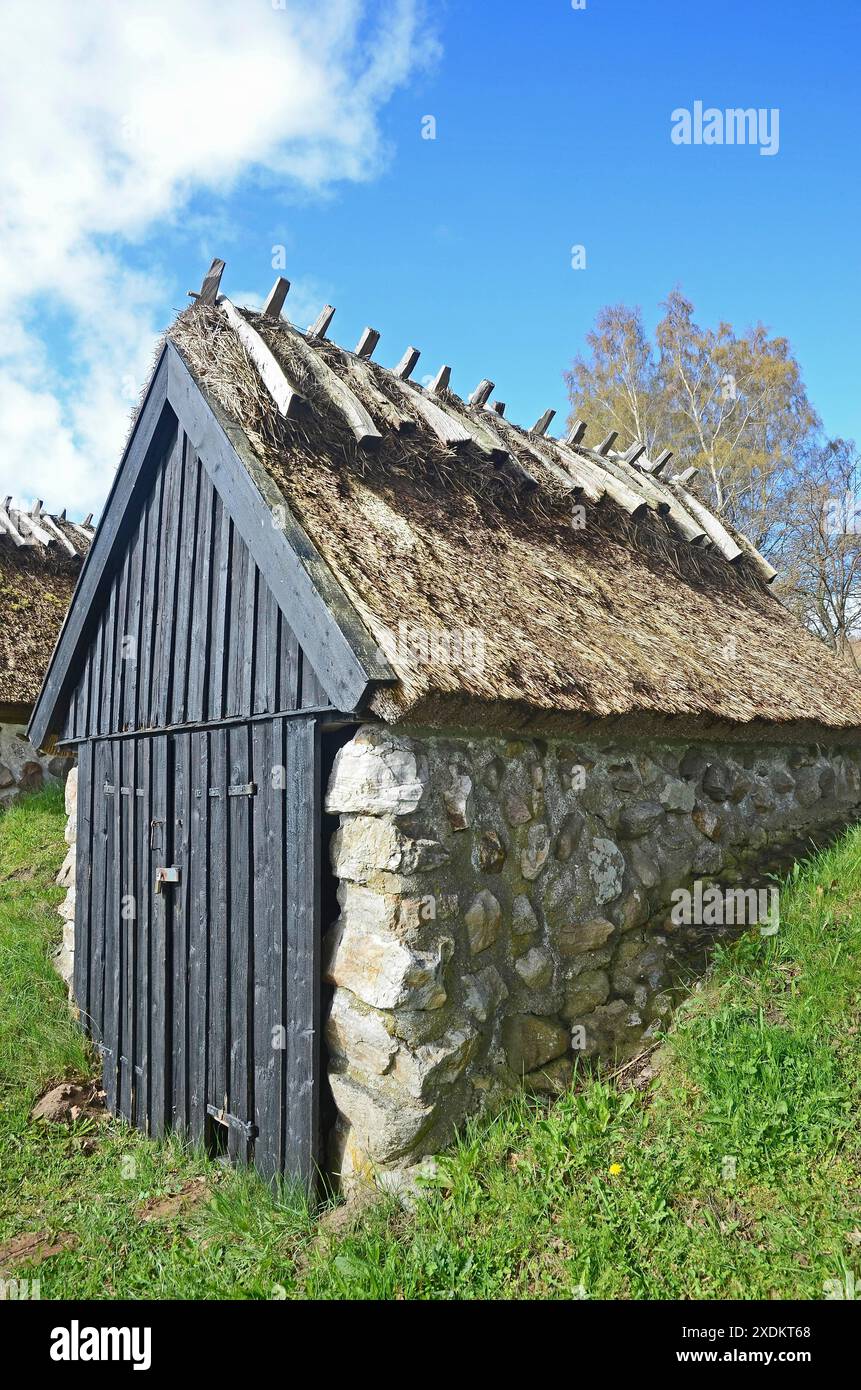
x=620, y=1194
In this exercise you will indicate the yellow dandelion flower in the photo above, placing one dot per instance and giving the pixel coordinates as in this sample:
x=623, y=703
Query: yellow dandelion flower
x=615, y=1169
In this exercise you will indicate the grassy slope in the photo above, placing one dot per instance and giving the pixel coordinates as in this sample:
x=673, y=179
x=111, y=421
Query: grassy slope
x=617, y=1192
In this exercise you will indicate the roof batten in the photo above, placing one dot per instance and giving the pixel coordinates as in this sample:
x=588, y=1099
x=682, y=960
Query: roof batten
x=440, y=381
x=320, y=327
x=406, y=366
x=481, y=394
x=367, y=343
x=606, y=444
x=275, y=298
x=542, y=425
x=575, y=434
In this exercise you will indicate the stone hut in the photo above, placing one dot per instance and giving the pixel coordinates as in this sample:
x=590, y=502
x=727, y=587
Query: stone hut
x=431, y=724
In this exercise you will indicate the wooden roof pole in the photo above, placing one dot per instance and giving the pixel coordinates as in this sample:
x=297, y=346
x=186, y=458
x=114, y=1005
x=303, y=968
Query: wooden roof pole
x=288, y=399
x=336, y=391
x=9, y=525
x=61, y=537
x=32, y=528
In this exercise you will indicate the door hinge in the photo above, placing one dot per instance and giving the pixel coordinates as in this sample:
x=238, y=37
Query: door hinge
x=243, y=789
x=248, y=1130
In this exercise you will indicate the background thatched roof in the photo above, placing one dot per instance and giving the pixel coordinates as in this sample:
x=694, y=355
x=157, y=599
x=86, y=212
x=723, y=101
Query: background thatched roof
x=620, y=620
x=37, y=580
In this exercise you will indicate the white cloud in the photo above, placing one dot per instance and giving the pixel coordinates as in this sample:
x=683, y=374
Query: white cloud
x=112, y=116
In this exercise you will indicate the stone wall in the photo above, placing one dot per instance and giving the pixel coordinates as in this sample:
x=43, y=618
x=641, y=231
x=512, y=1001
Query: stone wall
x=506, y=904
x=22, y=768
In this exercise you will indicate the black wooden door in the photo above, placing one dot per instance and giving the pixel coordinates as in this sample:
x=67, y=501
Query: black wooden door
x=122, y=966
x=204, y=995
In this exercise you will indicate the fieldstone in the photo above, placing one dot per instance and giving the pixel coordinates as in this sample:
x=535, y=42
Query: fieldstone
x=365, y=845
x=523, y=919
x=534, y=856
x=677, y=795
x=807, y=789
x=643, y=865
x=612, y=1031
x=573, y=768
x=6, y=778
x=782, y=782
x=71, y=792
x=382, y=1127
x=578, y=937
x=637, y=961
x=692, y=765
x=717, y=782
x=456, y=793
x=569, y=836
x=624, y=777
x=66, y=876
x=530, y=1041
x=632, y=911
x=32, y=777
x=827, y=781
x=490, y=852
x=358, y=1035
x=67, y=906
x=517, y=812
x=381, y=969
x=637, y=820
x=708, y=858
x=482, y=921
x=552, y=1080
x=584, y=993
x=493, y=774
x=535, y=968
x=485, y=991
x=439, y=1063
x=708, y=822
x=606, y=867
x=376, y=775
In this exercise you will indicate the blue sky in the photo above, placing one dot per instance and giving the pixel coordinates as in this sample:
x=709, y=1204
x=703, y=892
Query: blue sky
x=552, y=129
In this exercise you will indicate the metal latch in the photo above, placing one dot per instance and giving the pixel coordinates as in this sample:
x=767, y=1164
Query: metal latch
x=166, y=874
x=248, y=1130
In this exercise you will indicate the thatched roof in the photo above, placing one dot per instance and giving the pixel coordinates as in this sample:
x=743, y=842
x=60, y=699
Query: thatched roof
x=513, y=580
x=40, y=559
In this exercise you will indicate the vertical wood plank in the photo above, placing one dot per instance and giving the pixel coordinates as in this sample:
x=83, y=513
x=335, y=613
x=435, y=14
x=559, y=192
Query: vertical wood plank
x=185, y=589
x=220, y=604
x=302, y=863
x=201, y=634
x=218, y=920
x=198, y=952
x=181, y=908
x=149, y=607
x=137, y=552
x=113, y=948
x=143, y=1013
x=127, y=926
x=83, y=885
x=240, y=937
x=161, y=991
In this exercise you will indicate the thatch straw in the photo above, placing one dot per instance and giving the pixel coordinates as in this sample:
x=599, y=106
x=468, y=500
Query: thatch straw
x=618, y=619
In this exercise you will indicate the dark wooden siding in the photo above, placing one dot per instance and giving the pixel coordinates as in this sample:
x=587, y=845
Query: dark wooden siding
x=205, y=997
x=189, y=632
